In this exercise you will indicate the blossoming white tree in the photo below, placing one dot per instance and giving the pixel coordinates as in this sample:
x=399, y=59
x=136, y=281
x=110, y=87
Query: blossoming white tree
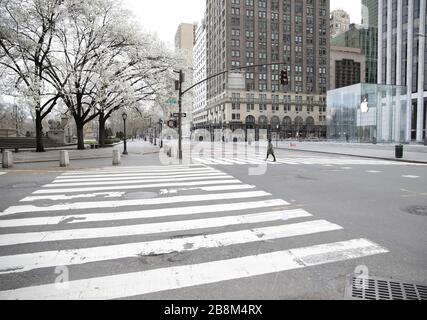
x=27, y=31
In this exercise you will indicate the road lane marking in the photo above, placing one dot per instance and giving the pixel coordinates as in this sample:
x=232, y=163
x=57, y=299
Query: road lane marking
x=130, y=174
x=130, y=178
x=121, y=194
x=148, y=180
x=137, y=186
x=3, y=173
x=373, y=171
x=151, y=228
x=37, y=260
x=140, y=168
x=143, y=214
x=77, y=196
x=411, y=177
x=236, y=161
x=172, y=278
x=219, y=162
x=130, y=203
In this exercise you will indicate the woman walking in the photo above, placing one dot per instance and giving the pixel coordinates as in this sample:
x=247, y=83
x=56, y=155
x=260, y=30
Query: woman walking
x=270, y=150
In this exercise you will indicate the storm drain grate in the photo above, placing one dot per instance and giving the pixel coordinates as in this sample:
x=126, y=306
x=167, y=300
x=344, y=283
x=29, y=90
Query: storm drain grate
x=373, y=288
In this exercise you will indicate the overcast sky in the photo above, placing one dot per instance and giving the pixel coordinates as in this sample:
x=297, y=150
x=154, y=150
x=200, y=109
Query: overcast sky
x=164, y=16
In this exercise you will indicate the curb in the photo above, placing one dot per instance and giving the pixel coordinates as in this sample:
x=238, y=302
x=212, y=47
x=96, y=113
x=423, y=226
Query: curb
x=73, y=159
x=356, y=156
x=57, y=160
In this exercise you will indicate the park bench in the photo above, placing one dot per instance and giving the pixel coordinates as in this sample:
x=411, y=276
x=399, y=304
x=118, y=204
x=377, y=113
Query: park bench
x=25, y=143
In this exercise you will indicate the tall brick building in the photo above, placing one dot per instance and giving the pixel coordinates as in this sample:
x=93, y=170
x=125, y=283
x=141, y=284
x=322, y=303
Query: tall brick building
x=290, y=34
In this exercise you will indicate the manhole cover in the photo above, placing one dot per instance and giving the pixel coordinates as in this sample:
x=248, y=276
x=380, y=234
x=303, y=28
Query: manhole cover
x=417, y=210
x=140, y=195
x=373, y=288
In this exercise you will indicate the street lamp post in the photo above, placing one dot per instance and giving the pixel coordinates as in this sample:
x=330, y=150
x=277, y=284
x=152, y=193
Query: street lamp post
x=161, y=133
x=125, y=116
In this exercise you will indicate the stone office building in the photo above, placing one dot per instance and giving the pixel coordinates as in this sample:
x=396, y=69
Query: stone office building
x=278, y=34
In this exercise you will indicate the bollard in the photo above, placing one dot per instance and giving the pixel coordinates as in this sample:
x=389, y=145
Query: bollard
x=64, y=159
x=7, y=160
x=116, y=158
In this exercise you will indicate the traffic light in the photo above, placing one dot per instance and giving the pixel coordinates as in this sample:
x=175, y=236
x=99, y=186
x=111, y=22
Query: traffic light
x=284, y=77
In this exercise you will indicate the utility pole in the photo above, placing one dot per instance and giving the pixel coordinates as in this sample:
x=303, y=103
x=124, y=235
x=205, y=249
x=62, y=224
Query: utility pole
x=178, y=86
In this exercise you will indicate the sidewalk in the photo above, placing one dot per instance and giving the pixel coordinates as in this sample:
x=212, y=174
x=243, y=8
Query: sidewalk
x=411, y=153
x=52, y=155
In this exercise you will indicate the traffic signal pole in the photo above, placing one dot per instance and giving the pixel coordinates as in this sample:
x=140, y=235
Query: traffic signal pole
x=181, y=80
x=181, y=92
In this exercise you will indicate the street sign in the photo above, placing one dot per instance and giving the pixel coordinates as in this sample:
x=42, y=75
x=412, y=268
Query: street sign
x=183, y=115
x=172, y=101
x=172, y=124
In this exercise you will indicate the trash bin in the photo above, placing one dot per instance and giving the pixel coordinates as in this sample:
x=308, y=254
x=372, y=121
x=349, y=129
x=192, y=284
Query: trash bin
x=399, y=152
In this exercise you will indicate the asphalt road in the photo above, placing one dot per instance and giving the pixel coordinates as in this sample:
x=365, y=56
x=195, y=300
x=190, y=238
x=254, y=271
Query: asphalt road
x=324, y=204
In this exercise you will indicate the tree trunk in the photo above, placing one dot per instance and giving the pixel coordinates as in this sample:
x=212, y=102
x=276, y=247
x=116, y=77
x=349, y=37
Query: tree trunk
x=80, y=135
x=39, y=132
x=101, y=133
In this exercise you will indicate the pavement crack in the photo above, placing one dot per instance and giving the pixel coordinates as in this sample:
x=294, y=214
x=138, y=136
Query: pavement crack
x=71, y=219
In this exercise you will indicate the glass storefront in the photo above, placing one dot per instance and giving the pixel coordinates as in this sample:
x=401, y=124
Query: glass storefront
x=367, y=113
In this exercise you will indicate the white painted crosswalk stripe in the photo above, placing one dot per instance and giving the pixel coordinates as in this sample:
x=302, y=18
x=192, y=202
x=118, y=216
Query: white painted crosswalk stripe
x=236, y=161
x=38, y=260
x=132, y=174
x=158, y=280
x=148, y=180
x=164, y=169
x=142, y=214
x=153, y=228
x=121, y=194
x=77, y=196
x=2, y=173
x=137, y=186
x=67, y=182
x=138, y=202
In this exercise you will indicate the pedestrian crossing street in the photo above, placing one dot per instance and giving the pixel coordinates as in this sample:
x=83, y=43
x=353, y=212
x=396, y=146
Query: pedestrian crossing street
x=84, y=220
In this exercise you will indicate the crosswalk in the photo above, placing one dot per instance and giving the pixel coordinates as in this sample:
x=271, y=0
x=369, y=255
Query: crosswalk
x=2, y=173
x=84, y=220
x=227, y=156
x=231, y=160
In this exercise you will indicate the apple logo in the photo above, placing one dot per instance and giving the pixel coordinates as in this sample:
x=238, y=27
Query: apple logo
x=364, y=106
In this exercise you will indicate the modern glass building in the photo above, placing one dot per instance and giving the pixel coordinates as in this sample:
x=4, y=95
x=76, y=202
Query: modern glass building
x=402, y=56
x=368, y=113
x=365, y=38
